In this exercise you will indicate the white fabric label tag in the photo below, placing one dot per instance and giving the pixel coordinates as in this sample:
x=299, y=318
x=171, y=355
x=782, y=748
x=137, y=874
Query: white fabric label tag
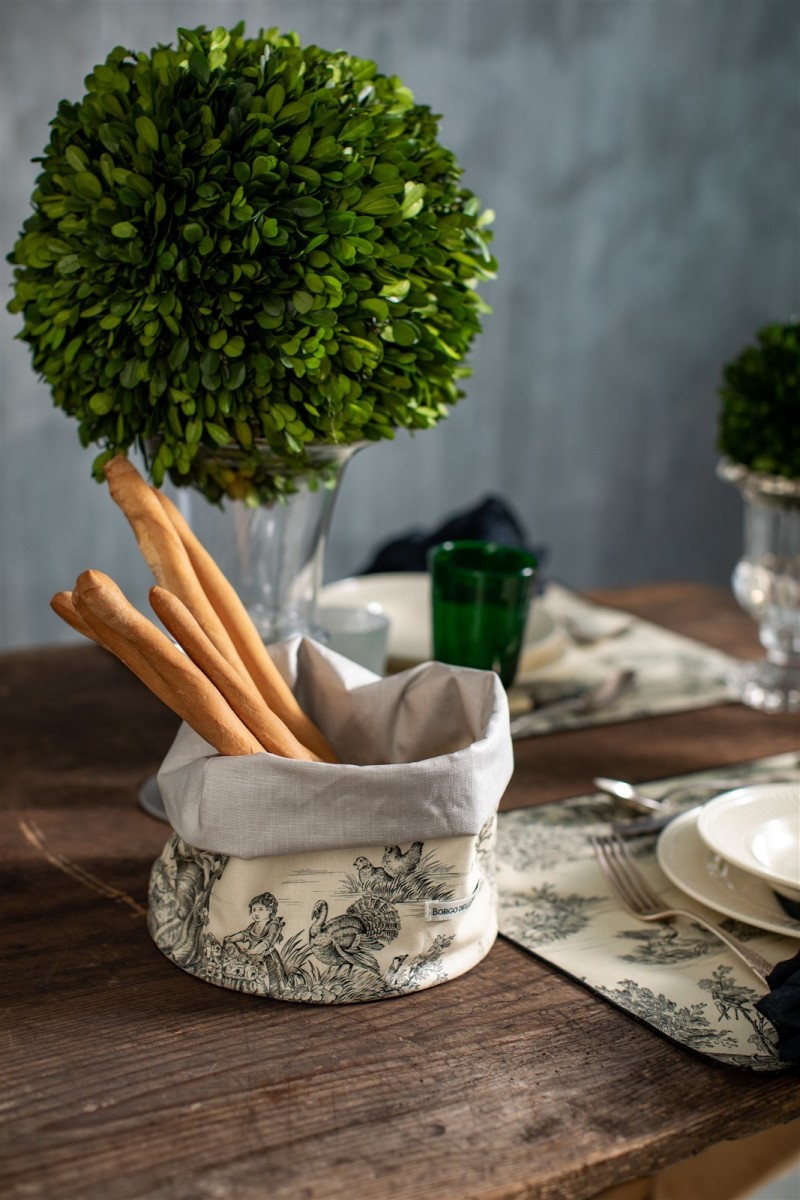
x=445, y=910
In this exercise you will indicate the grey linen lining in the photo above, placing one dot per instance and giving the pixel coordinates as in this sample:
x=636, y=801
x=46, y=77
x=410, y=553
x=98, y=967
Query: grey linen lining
x=425, y=754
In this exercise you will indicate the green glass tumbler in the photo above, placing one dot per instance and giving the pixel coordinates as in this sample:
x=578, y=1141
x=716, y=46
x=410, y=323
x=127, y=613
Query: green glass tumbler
x=481, y=595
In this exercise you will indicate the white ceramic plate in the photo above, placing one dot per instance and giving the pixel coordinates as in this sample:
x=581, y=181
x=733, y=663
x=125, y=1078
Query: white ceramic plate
x=688, y=863
x=405, y=597
x=757, y=829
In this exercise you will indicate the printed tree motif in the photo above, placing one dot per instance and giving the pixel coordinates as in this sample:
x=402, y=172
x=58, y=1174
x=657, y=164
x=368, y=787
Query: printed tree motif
x=180, y=891
x=687, y=1024
x=543, y=915
x=410, y=974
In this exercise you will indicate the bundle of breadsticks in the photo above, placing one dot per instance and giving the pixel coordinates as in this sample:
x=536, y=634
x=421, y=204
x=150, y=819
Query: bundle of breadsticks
x=225, y=684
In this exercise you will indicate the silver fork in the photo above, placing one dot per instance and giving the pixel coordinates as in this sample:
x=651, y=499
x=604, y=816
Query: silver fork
x=634, y=894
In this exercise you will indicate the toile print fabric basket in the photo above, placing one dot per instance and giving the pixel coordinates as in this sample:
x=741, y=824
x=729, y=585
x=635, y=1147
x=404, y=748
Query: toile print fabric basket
x=363, y=880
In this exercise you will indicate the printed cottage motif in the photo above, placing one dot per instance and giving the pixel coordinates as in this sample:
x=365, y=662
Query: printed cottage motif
x=334, y=927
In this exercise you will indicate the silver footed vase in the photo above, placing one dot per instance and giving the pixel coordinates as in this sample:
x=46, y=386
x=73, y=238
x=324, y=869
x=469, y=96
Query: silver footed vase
x=766, y=583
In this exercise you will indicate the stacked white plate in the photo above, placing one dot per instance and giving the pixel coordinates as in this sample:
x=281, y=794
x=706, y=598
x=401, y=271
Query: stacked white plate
x=738, y=853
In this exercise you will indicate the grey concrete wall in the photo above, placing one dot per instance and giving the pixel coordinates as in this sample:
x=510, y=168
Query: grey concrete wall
x=641, y=156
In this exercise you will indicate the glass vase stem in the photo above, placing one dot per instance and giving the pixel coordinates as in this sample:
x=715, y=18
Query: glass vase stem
x=274, y=554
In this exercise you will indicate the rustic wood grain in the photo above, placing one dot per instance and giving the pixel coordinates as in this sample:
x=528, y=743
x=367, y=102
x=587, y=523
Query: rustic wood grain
x=125, y=1078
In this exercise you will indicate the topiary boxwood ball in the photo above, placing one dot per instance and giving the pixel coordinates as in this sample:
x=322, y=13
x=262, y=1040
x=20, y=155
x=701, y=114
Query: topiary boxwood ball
x=245, y=241
x=759, y=421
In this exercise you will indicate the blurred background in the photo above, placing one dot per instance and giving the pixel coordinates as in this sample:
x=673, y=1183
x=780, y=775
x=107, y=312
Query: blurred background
x=641, y=157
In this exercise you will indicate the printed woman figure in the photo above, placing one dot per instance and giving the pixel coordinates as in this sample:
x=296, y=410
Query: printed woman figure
x=257, y=944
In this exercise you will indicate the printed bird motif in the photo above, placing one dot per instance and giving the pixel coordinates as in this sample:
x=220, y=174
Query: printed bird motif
x=368, y=876
x=395, y=975
x=345, y=942
x=397, y=863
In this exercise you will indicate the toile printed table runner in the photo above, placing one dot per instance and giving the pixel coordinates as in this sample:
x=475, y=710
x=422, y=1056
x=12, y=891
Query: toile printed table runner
x=673, y=673
x=675, y=977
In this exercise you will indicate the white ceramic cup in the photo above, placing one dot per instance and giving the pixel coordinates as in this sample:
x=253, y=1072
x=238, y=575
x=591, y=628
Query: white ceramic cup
x=360, y=634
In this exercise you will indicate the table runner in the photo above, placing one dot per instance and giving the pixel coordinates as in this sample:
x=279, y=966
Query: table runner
x=675, y=977
x=674, y=673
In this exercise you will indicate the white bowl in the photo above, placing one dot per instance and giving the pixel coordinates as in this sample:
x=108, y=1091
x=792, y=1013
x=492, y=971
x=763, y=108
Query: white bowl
x=757, y=829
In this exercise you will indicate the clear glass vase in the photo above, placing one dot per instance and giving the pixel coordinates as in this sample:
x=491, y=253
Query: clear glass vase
x=274, y=554
x=766, y=583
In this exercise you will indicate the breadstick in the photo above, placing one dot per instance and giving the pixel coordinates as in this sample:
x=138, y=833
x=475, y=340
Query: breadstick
x=164, y=551
x=63, y=606
x=237, y=621
x=160, y=664
x=242, y=695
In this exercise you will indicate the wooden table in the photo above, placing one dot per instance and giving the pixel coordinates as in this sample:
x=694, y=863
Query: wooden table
x=125, y=1077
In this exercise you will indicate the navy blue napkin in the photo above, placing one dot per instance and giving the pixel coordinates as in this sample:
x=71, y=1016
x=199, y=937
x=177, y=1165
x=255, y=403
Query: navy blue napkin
x=790, y=907
x=781, y=1006
x=491, y=520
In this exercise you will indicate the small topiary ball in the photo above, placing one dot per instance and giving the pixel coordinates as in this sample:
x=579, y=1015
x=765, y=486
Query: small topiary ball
x=244, y=241
x=759, y=424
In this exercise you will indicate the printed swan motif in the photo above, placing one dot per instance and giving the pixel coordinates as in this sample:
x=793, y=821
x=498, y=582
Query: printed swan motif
x=344, y=942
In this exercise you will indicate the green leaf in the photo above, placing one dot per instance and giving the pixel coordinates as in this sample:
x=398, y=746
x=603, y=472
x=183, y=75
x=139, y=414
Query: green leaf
x=123, y=229
x=302, y=301
x=376, y=308
x=300, y=145
x=236, y=375
x=263, y=164
x=76, y=158
x=307, y=174
x=192, y=232
x=244, y=433
x=413, y=199
x=397, y=289
x=179, y=353
x=217, y=433
x=275, y=98
x=404, y=333
x=233, y=347
x=101, y=403
x=376, y=203
x=296, y=112
x=109, y=137
x=87, y=185
x=160, y=210
x=129, y=376
x=147, y=132
x=198, y=66
x=190, y=36
x=305, y=206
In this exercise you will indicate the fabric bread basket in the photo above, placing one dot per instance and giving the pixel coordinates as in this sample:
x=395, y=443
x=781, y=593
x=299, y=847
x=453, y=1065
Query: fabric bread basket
x=363, y=880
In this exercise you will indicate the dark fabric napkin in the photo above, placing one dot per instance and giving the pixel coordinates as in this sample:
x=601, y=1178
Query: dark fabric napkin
x=781, y=1006
x=490, y=520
